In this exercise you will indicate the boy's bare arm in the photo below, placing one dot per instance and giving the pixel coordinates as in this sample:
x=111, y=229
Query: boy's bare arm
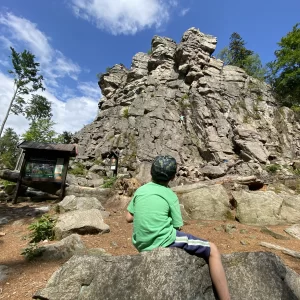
x=129, y=217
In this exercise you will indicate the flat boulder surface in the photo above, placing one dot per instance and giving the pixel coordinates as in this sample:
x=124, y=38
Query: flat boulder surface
x=81, y=222
x=170, y=274
x=70, y=203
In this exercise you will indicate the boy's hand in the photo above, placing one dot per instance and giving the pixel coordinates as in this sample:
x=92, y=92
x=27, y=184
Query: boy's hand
x=129, y=217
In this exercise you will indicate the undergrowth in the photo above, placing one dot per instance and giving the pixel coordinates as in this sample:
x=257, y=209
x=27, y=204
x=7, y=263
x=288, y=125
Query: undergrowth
x=42, y=229
x=109, y=182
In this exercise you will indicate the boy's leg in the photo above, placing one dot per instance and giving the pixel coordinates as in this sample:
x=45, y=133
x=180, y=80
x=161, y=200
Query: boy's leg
x=217, y=273
x=210, y=253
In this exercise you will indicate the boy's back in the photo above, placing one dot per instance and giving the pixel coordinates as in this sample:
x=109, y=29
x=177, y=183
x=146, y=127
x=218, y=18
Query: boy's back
x=156, y=213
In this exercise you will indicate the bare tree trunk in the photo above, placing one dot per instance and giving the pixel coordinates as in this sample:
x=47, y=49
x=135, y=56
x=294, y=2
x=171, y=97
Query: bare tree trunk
x=8, y=111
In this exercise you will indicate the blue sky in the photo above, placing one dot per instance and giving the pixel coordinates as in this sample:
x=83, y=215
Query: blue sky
x=76, y=39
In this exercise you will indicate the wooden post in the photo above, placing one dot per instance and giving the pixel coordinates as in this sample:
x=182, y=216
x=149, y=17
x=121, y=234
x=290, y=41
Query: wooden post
x=63, y=178
x=19, y=183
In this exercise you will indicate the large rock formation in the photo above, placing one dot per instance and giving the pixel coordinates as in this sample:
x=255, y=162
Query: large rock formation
x=231, y=120
x=165, y=274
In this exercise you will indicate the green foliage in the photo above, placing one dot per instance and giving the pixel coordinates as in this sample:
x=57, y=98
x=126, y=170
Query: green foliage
x=109, y=182
x=41, y=131
x=5, y=182
x=8, y=148
x=65, y=138
x=183, y=103
x=38, y=108
x=238, y=51
x=32, y=251
x=126, y=113
x=238, y=55
x=42, y=229
x=295, y=108
x=185, y=96
x=296, y=172
x=284, y=71
x=26, y=80
x=273, y=168
x=98, y=161
x=253, y=66
x=149, y=52
x=78, y=169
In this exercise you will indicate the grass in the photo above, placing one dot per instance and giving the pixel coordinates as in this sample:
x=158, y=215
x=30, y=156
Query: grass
x=109, y=182
x=32, y=251
x=273, y=168
x=78, y=169
x=125, y=113
x=5, y=182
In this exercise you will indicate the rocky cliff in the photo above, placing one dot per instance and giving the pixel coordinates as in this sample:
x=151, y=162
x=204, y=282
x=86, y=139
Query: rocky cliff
x=182, y=101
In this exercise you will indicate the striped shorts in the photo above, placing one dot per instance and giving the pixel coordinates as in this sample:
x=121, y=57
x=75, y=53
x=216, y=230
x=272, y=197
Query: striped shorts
x=191, y=244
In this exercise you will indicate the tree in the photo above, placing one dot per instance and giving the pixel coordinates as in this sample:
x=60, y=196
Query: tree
x=26, y=80
x=238, y=55
x=41, y=130
x=238, y=51
x=254, y=68
x=38, y=108
x=284, y=71
x=8, y=148
x=65, y=137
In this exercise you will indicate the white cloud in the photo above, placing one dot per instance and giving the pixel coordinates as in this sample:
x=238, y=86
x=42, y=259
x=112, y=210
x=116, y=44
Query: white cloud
x=6, y=43
x=4, y=62
x=124, y=16
x=53, y=63
x=184, y=11
x=70, y=111
x=6, y=92
x=70, y=115
x=90, y=89
x=74, y=113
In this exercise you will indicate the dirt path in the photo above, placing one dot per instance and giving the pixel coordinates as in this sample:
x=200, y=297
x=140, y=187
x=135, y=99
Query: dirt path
x=27, y=277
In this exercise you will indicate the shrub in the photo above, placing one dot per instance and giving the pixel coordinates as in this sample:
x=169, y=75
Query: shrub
x=109, y=182
x=32, y=251
x=126, y=113
x=295, y=108
x=42, y=229
x=273, y=168
x=149, y=52
x=5, y=182
x=79, y=169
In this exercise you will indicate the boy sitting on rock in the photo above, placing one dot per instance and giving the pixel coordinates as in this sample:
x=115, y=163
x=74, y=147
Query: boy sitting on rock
x=155, y=213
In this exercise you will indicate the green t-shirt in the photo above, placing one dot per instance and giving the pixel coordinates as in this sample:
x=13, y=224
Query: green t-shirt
x=156, y=213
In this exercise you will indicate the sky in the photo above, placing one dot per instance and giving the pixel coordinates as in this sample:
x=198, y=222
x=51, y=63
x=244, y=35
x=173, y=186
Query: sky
x=74, y=40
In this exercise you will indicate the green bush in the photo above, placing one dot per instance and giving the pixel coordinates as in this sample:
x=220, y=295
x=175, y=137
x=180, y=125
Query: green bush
x=78, y=169
x=126, y=113
x=185, y=96
x=32, y=251
x=273, y=168
x=295, y=108
x=5, y=182
x=109, y=182
x=42, y=229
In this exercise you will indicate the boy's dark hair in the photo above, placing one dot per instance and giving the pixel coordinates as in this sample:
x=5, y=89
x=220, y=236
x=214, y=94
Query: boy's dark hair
x=163, y=168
